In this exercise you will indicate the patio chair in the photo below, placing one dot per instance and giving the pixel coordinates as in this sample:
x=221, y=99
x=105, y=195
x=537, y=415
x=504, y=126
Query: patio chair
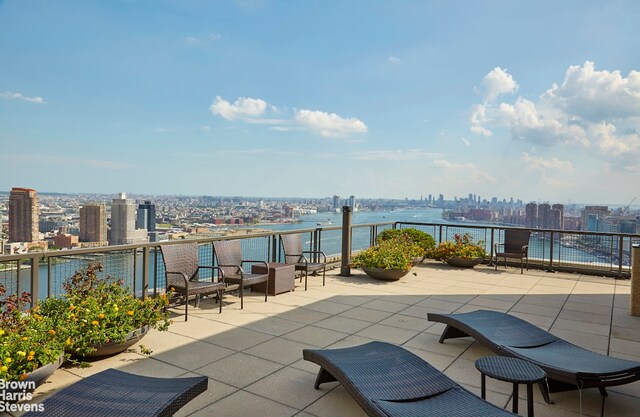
x=389, y=381
x=182, y=270
x=516, y=245
x=567, y=366
x=115, y=393
x=229, y=255
x=293, y=254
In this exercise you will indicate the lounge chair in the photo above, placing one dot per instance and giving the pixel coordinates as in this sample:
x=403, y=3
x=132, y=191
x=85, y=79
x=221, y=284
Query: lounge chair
x=389, y=381
x=567, y=366
x=306, y=261
x=113, y=393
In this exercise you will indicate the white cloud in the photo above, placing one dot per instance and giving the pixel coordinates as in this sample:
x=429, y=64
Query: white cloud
x=462, y=173
x=497, y=82
x=597, y=110
x=243, y=107
x=533, y=162
x=9, y=95
x=393, y=59
x=395, y=155
x=465, y=141
x=329, y=124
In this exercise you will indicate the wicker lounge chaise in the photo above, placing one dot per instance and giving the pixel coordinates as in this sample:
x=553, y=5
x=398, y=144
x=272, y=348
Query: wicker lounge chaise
x=567, y=366
x=389, y=381
x=113, y=393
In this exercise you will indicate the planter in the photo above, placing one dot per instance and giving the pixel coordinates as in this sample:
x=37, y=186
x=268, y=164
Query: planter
x=42, y=373
x=385, y=274
x=416, y=260
x=116, y=347
x=464, y=262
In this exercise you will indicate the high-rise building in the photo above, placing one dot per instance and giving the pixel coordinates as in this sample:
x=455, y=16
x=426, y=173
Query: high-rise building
x=93, y=223
x=146, y=217
x=352, y=203
x=123, y=222
x=336, y=203
x=23, y=215
x=560, y=209
x=591, y=216
x=544, y=216
x=531, y=212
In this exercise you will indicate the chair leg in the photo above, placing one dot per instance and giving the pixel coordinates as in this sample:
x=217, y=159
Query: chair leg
x=266, y=290
x=324, y=270
x=521, y=266
x=306, y=275
x=241, y=297
x=220, y=292
x=186, y=307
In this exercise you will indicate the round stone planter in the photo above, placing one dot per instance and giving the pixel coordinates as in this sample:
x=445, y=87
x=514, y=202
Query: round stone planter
x=112, y=348
x=464, y=262
x=385, y=274
x=42, y=373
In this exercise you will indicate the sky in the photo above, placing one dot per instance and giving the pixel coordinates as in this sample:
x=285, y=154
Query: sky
x=536, y=100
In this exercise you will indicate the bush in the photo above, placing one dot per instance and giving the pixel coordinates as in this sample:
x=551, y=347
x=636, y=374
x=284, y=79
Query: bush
x=422, y=239
x=27, y=339
x=389, y=254
x=95, y=311
x=462, y=247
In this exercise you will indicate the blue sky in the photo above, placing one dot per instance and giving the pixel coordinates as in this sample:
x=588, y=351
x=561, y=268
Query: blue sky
x=538, y=100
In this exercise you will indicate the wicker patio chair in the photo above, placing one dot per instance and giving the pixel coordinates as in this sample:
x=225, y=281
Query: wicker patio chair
x=113, y=393
x=516, y=245
x=389, y=381
x=306, y=261
x=567, y=366
x=229, y=255
x=182, y=270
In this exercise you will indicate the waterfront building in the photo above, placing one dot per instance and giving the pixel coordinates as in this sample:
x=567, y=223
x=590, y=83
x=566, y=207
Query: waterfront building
x=531, y=213
x=123, y=223
x=336, y=203
x=146, y=219
x=93, y=223
x=352, y=203
x=49, y=224
x=544, y=216
x=23, y=215
x=560, y=209
x=65, y=240
x=591, y=216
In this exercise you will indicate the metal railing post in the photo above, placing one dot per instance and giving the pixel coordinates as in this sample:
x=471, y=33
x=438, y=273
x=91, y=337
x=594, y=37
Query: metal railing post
x=35, y=265
x=155, y=269
x=345, y=271
x=440, y=234
x=491, y=245
x=551, y=252
x=274, y=242
x=145, y=271
x=620, y=255
x=18, y=262
x=48, y=276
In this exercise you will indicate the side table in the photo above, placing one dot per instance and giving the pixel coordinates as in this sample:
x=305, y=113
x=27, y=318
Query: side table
x=281, y=277
x=512, y=370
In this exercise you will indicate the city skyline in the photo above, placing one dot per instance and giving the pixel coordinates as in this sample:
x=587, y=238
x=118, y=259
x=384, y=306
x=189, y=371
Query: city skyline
x=260, y=98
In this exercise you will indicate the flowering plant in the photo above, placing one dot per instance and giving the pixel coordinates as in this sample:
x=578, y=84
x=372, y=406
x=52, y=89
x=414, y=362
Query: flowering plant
x=463, y=246
x=27, y=339
x=95, y=311
x=388, y=254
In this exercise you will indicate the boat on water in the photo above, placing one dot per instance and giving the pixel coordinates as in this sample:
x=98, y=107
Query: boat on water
x=325, y=223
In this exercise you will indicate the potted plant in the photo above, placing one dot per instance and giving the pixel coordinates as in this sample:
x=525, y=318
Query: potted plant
x=99, y=316
x=30, y=349
x=462, y=252
x=389, y=260
x=420, y=238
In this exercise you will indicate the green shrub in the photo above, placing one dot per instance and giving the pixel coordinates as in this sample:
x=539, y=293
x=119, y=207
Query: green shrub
x=463, y=246
x=422, y=239
x=389, y=254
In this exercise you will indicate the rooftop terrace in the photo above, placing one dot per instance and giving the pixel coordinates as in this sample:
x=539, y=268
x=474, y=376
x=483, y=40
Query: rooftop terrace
x=253, y=357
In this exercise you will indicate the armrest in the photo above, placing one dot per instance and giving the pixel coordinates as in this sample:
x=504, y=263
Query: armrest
x=220, y=272
x=496, y=246
x=247, y=261
x=316, y=252
x=238, y=267
x=525, y=250
x=182, y=274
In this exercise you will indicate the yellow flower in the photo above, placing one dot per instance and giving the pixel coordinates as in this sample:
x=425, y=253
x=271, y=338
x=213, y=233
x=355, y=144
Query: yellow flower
x=8, y=360
x=30, y=358
x=25, y=338
x=164, y=297
x=31, y=353
x=130, y=312
x=95, y=322
x=52, y=331
x=68, y=342
x=4, y=368
x=1, y=332
x=21, y=353
x=71, y=307
x=101, y=316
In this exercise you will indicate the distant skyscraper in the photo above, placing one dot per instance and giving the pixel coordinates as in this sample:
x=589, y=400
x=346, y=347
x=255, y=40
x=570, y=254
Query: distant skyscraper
x=93, y=223
x=544, y=217
x=23, y=215
x=123, y=222
x=531, y=212
x=560, y=209
x=352, y=203
x=591, y=215
x=336, y=203
x=146, y=218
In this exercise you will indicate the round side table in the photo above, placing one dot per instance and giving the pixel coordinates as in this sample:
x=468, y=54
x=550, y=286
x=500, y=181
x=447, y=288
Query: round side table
x=512, y=370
